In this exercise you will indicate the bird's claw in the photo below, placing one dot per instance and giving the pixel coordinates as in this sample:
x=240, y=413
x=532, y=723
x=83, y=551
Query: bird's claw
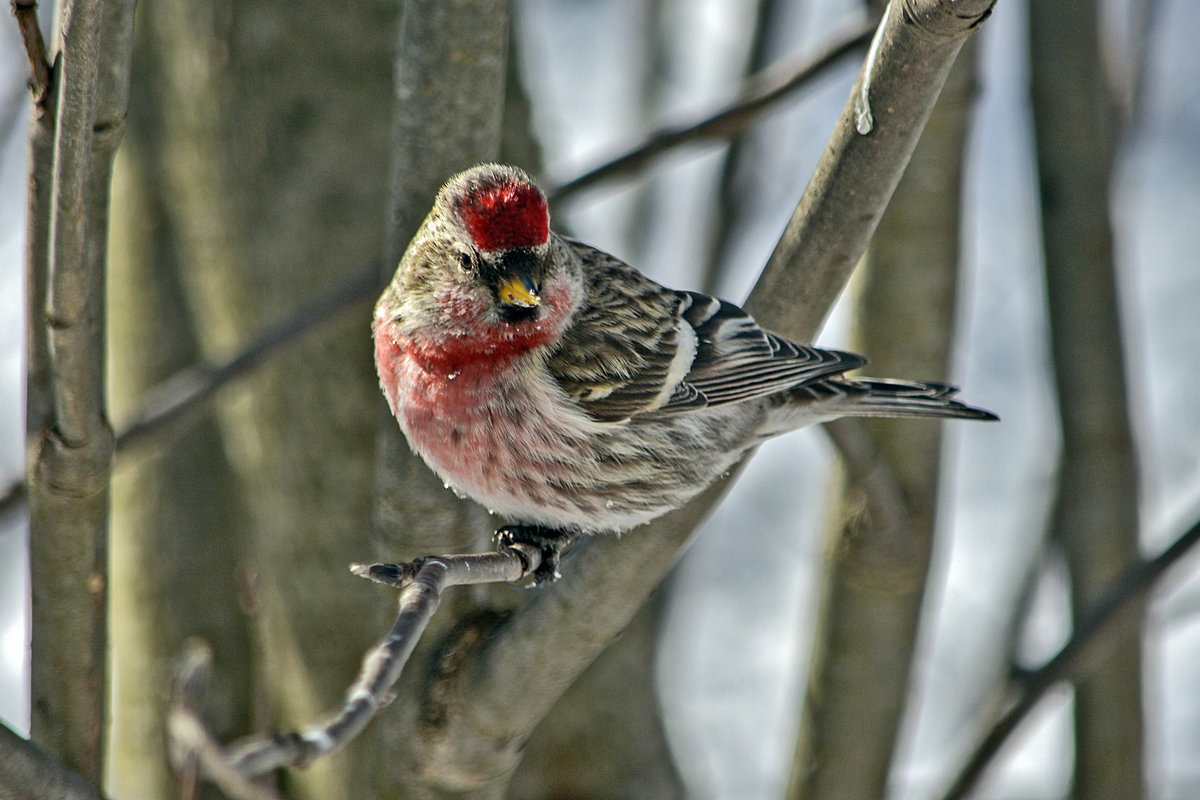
x=549, y=543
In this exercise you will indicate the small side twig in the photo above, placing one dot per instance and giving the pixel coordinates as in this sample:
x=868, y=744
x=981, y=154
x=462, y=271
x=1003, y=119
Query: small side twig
x=195, y=752
x=421, y=583
x=35, y=50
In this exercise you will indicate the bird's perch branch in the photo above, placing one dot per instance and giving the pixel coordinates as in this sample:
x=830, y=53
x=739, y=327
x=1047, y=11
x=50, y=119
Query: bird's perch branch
x=421, y=583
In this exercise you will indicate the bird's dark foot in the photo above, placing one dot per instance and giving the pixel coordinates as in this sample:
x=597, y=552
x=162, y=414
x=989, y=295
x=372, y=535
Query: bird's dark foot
x=550, y=543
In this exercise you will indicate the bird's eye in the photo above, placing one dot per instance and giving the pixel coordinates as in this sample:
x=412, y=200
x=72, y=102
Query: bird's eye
x=466, y=262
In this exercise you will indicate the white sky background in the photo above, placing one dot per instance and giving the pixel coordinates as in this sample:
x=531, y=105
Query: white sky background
x=735, y=647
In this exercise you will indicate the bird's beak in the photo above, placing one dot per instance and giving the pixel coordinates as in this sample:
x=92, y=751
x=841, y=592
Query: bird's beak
x=520, y=291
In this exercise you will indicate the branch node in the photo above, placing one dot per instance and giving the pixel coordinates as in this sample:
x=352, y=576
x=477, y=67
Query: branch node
x=40, y=71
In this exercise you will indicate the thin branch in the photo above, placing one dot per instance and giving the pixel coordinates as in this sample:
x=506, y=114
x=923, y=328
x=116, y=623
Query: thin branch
x=75, y=287
x=837, y=215
x=763, y=92
x=35, y=50
x=175, y=400
x=1115, y=618
x=421, y=583
x=192, y=746
x=172, y=406
x=13, y=497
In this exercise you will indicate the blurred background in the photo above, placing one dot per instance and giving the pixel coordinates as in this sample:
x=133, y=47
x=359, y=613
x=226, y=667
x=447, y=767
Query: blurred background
x=737, y=614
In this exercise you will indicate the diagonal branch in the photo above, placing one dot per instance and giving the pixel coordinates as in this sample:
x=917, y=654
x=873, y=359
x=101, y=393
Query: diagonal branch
x=763, y=92
x=175, y=402
x=27, y=772
x=505, y=687
x=1114, y=618
x=838, y=213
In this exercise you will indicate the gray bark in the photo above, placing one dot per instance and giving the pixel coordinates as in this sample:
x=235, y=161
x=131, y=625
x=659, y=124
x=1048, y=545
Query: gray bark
x=1095, y=517
x=69, y=440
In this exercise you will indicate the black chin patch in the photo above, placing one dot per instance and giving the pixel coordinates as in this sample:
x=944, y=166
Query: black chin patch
x=514, y=314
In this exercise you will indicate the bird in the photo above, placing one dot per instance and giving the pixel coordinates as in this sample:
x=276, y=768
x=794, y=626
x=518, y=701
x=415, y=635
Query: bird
x=561, y=388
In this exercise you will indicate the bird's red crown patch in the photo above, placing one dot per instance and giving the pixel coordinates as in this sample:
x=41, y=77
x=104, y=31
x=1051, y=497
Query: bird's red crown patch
x=511, y=214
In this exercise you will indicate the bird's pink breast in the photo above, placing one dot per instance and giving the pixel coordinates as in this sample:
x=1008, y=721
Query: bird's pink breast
x=458, y=402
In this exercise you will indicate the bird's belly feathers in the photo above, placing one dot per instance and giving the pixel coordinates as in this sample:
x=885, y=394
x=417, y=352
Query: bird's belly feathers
x=524, y=451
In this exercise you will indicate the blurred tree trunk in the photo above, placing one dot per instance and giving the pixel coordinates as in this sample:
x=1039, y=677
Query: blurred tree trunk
x=880, y=548
x=178, y=526
x=273, y=153
x=1096, y=512
x=738, y=162
x=604, y=740
x=450, y=71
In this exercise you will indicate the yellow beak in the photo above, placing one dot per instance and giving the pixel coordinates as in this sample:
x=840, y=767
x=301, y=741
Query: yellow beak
x=520, y=291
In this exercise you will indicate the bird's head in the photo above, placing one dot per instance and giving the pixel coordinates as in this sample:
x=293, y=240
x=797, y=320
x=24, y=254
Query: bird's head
x=482, y=255
x=503, y=226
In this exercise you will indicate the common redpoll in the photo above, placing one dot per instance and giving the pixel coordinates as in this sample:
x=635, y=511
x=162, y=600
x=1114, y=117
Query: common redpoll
x=560, y=387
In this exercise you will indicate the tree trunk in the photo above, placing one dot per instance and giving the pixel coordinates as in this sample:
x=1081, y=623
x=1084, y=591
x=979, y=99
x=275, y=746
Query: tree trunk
x=1095, y=517
x=178, y=523
x=274, y=156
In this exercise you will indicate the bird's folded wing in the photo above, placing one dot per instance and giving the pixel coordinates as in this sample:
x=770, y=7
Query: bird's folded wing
x=635, y=347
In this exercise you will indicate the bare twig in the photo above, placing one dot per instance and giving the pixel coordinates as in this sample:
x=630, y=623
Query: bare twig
x=35, y=50
x=421, y=583
x=764, y=92
x=176, y=399
x=173, y=404
x=1114, y=618
x=13, y=497
x=193, y=747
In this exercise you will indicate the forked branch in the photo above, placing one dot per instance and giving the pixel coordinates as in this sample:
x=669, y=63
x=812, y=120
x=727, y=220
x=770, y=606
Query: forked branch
x=196, y=752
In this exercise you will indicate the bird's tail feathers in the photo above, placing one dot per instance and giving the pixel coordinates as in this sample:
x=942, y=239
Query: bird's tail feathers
x=883, y=397
x=838, y=396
